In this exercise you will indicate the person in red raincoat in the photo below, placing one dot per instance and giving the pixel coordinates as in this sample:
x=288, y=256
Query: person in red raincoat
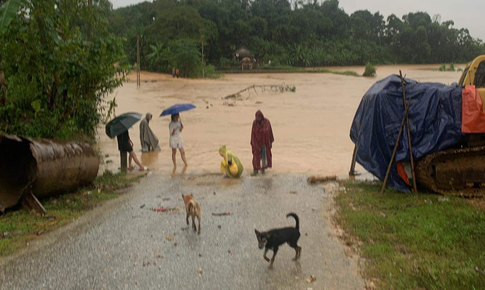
x=261, y=141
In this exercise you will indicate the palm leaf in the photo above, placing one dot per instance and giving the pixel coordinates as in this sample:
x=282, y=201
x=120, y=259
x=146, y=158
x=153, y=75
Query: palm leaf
x=8, y=12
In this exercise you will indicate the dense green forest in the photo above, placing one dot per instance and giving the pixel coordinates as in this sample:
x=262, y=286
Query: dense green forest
x=57, y=56
x=287, y=33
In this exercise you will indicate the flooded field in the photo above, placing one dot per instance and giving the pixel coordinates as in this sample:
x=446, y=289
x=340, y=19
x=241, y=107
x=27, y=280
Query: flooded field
x=311, y=126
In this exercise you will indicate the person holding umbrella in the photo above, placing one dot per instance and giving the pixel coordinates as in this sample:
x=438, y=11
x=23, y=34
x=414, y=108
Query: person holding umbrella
x=175, y=130
x=176, y=140
x=125, y=144
x=119, y=127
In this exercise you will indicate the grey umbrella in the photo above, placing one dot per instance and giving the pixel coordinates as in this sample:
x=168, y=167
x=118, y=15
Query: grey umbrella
x=122, y=123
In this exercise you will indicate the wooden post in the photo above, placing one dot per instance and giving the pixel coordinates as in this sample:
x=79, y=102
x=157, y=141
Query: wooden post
x=124, y=161
x=202, y=57
x=138, y=82
x=32, y=204
x=395, y=147
x=415, y=186
x=352, y=165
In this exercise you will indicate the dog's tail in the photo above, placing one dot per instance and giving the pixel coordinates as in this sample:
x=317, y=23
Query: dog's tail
x=191, y=205
x=296, y=219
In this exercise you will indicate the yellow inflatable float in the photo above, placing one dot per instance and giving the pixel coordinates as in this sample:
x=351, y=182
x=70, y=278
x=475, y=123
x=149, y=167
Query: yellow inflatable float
x=230, y=165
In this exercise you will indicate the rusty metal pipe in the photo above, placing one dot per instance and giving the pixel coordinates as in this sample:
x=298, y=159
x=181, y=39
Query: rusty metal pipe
x=47, y=167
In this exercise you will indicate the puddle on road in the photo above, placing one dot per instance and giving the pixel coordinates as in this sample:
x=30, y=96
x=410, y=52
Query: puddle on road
x=209, y=179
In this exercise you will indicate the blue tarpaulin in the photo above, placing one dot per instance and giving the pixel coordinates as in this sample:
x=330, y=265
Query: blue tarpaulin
x=434, y=116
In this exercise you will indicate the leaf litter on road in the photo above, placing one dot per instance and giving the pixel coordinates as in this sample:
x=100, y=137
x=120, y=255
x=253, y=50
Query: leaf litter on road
x=221, y=214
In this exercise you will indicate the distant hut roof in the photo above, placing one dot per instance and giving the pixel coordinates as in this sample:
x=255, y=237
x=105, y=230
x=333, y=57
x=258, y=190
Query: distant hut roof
x=243, y=52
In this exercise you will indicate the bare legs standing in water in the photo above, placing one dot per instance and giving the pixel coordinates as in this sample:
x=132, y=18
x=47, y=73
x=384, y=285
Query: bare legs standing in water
x=174, y=158
x=176, y=141
x=133, y=157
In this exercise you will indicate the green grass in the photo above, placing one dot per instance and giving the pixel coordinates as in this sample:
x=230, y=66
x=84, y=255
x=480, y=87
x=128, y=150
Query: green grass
x=22, y=227
x=444, y=68
x=290, y=69
x=414, y=241
x=345, y=73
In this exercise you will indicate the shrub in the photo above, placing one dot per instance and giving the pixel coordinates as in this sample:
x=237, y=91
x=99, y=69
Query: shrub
x=444, y=68
x=452, y=67
x=209, y=72
x=57, y=75
x=225, y=63
x=370, y=70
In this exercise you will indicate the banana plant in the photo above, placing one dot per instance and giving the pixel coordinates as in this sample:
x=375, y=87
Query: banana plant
x=157, y=52
x=160, y=55
x=8, y=11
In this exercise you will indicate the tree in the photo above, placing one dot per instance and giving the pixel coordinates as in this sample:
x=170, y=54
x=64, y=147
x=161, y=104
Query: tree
x=55, y=79
x=183, y=22
x=420, y=45
x=258, y=27
x=186, y=56
x=159, y=60
x=297, y=32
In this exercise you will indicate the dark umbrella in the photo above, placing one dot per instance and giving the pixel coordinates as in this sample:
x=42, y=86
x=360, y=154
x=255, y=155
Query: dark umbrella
x=122, y=123
x=175, y=109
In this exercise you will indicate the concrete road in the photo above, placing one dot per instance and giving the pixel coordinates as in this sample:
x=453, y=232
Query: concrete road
x=126, y=245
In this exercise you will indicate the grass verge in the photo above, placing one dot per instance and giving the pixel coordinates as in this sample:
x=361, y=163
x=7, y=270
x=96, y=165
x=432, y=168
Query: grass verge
x=18, y=227
x=290, y=69
x=411, y=241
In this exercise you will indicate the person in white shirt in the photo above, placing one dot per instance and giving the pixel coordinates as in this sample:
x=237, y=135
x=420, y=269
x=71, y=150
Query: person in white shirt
x=176, y=140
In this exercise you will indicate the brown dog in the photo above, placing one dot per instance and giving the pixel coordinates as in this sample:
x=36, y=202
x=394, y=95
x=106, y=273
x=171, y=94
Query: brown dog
x=193, y=209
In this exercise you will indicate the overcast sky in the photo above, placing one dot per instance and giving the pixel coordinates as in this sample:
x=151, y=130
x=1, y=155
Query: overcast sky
x=468, y=14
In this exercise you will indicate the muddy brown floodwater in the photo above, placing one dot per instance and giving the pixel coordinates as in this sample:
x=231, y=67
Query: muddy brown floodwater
x=311, y=126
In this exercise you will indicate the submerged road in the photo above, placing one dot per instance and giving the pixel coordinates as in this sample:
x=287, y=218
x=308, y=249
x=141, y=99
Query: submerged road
x=126, y=245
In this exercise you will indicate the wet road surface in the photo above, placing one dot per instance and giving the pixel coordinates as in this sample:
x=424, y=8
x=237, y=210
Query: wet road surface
x=126, y=245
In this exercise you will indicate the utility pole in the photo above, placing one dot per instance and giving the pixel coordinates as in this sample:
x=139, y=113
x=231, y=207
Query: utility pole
x=138, y=59
x=203, y=58
x=202, y=40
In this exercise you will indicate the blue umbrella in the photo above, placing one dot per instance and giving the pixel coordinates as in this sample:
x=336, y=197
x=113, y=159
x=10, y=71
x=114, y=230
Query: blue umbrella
x=175, y=109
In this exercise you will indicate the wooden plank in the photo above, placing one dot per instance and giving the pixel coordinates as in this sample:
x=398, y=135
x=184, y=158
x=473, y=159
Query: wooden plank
x=32, y=204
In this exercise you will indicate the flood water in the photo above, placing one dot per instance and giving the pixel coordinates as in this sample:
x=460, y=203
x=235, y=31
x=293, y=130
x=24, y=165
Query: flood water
x=311, y=126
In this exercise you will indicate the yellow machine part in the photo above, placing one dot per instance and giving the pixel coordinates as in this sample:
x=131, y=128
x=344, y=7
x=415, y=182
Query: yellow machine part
x=474, y=74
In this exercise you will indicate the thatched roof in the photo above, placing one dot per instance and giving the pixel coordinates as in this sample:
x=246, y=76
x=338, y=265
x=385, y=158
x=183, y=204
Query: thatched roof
x=243, y=52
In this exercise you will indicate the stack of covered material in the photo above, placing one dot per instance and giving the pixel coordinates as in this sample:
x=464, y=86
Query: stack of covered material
x=435, y=115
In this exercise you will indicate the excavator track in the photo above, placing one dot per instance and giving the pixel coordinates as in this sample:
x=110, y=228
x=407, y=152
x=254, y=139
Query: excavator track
x=459, y=172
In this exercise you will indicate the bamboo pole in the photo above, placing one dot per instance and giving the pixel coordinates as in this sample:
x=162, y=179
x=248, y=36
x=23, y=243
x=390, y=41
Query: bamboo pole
x=415, y=186
x=395, y=147
x=138, y=81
